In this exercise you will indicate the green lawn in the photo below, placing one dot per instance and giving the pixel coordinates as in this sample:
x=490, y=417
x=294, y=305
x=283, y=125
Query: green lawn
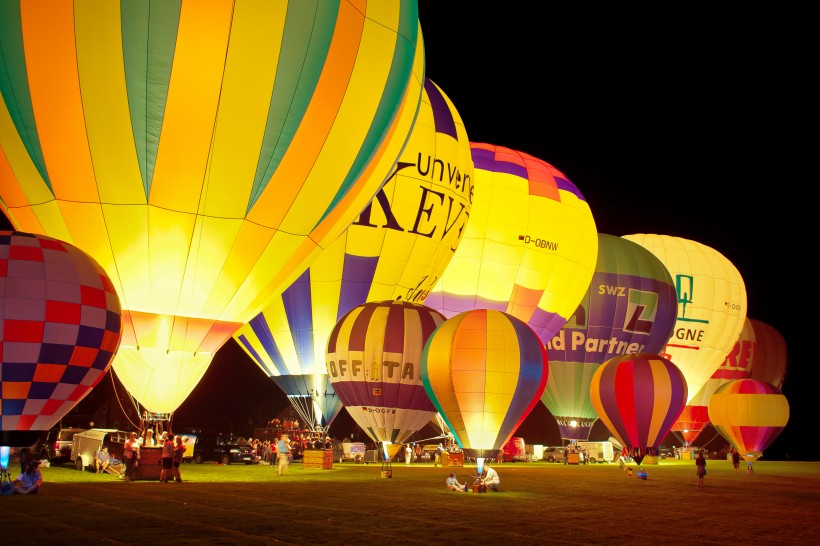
x=541, y=503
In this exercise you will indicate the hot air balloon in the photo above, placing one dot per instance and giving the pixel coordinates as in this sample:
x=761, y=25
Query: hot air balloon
x=737, y=365
x=61, y=325
x=374, y=360
x=638, y=397
x=529, y=248
x=630, y=307
x=750, y=414
x=711, y=305
x=770, y=358
x=395, y=250
x=201, y=152
x=484, y=371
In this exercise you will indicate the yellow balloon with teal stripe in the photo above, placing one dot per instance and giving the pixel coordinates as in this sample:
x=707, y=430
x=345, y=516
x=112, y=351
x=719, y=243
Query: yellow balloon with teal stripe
x=202, y=152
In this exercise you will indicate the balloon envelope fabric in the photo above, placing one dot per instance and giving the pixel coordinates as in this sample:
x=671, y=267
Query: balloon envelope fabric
x=396, y=249
x=61, y=325
x=749, y=414
x=529, y=248
x=711, y=305
x=374, y=363
x=770, y=360
x=736, y=365
x=484, y=370
x=200, y=152
x=638, y=397
x=630, y=307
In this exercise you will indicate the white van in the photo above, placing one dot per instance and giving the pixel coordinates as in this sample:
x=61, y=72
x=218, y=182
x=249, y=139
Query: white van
x=598, y=452
x=352, y=451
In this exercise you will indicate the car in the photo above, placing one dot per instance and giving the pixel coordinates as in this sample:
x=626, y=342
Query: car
x=225, y=449
x=554, y=454
x=55, y=446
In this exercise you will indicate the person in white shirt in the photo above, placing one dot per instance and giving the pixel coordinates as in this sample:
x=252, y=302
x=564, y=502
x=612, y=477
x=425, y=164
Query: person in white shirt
x=491, y=478
x=148, y=439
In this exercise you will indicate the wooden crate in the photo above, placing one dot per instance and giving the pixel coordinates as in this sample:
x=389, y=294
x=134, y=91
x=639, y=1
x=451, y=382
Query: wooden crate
x=318, y=459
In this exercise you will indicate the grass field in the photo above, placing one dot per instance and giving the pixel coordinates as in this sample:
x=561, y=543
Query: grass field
x=540, y=503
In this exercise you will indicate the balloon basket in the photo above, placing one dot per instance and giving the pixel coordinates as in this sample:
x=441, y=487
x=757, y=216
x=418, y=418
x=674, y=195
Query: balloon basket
x=387, y=470
x=642, y=474
x=479, y=488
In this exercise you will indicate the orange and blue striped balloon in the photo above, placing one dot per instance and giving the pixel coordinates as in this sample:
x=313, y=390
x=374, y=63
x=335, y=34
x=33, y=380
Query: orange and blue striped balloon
x=638, y=397
x=485, y=371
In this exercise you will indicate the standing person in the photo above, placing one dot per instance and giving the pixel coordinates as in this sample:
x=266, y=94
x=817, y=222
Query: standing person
x=179, y=451
x=736, y=459
x=131, y=455
x=439, y=450
x=700, y=463
x=167, y=458
x=283, y=453
x=29, y=482
x=408, y=454
x=24, y=458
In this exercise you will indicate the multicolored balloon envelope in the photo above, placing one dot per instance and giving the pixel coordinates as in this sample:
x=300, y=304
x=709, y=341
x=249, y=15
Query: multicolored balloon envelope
x=395, y=250
x=737, y=365
x=750, y=414
x=630, y=307
x=374, y=356
x=711, y=305
x=484, y=370
x=638, y=397
x=61, y=325
x=201, y=152
x=770, y=360
x=529, y=248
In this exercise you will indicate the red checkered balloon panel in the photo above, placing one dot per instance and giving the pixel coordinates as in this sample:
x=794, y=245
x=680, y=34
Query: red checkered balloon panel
x=60, y=325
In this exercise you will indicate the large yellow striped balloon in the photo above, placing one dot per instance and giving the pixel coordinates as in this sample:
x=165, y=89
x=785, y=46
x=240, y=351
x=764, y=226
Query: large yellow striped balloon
x=530, y=246
x=711, y=305
x=201, y=152
x=396, y=249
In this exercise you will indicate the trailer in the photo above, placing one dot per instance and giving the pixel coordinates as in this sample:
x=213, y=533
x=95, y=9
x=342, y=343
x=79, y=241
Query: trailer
x=598, y=452
x=85, y=446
